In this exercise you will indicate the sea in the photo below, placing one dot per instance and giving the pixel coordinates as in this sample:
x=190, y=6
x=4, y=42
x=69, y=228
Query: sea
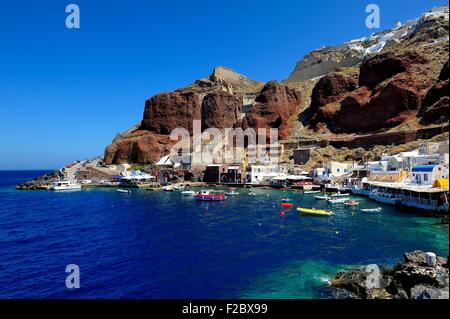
x=151, y=244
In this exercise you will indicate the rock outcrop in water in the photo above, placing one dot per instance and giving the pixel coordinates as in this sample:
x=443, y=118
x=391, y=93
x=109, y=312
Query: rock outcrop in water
x=39, y=183
x=411, y=278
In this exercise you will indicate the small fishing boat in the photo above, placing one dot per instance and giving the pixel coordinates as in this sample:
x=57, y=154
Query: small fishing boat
x=322, y=197
x=188, y=193
x=311, y=192
x=210, y=195
x=339, y=194
x=371, y=210
x=168, y=188
x=123, y=191
x=285, y=200
x=232, y=192
x=351, y=203
x=287, y=205
x=338, y=200
x=314, y=211
x=252, y=193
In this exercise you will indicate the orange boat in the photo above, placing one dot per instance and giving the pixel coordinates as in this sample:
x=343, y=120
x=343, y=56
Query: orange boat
x=287, y=205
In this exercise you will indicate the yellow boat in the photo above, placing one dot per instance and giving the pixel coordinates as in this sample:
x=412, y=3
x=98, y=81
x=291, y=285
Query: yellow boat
x=314, y=211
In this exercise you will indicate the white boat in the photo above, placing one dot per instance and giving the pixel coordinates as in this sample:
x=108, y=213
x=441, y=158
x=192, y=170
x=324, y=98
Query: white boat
x=371, y=210
x=168, y=188
x=322, y=197
x=252, y=193
x=188, y=193
x=339, y=194
x=232, y=192
x=86, y=181
x=311, y=192
x=64, y=186
x=123, y=191
x=338, y=200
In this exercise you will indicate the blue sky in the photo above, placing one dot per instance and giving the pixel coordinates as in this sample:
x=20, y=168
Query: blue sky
x=64, y=94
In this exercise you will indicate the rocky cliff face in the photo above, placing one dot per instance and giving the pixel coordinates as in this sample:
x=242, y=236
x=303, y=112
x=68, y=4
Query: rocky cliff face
x=217, y=101
x=273, y=108
x=403, y=80
x=394, y=81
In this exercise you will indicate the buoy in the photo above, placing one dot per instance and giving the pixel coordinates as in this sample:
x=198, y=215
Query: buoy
x=283, y=214
x=337, y=233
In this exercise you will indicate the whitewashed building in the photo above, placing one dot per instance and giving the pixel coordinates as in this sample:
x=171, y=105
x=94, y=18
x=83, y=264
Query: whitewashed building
x=426, y=174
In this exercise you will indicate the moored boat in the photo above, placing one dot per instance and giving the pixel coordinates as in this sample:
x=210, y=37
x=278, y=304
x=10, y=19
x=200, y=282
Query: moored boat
x=338, y=200
x=188, y=193
x=311, y=192
x=371, y=210
x=351, y=203
x=314, y=211
x=323, y=197
x=168, y=188
x=210, y=195
x=64, y=186
x=232, y=192
x=339, y=194
x=123, y=191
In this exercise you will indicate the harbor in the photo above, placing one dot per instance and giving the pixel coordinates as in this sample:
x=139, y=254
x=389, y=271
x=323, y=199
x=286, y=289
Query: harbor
x=268, y=242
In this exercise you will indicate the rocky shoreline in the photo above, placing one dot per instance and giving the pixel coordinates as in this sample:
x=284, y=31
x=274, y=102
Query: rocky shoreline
x=40, y=183
x=412, y=278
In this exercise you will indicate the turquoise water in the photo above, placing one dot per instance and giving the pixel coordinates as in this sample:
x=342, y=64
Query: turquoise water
x=160, y=245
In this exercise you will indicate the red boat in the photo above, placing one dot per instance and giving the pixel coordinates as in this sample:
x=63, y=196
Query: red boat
x=208, y=195
x=287, y=205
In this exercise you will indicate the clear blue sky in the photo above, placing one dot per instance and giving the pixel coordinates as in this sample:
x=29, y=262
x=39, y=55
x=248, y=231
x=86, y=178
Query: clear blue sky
x=64, y=94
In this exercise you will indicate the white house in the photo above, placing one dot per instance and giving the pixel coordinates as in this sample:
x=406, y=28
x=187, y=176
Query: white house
x=258, y=174
x=427, y=174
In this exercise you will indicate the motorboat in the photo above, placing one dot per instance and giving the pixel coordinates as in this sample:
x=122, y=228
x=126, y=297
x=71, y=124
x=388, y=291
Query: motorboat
x=252, y=193
x=123, y=191
x=311, y=192
x=338, y=200
x=210, y=195
x=168, y=188
x=188, y=193
x=322, y=197
x=339, y=194
x=314, y=211
x=232, y=192
x=371, y=210
x=351, y=203
x=64, y=186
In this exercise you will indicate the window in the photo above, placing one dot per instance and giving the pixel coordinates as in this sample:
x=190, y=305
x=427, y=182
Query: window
x=425, y=177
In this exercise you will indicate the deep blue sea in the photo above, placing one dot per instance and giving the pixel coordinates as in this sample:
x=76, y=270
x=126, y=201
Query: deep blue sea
x=160, y=245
